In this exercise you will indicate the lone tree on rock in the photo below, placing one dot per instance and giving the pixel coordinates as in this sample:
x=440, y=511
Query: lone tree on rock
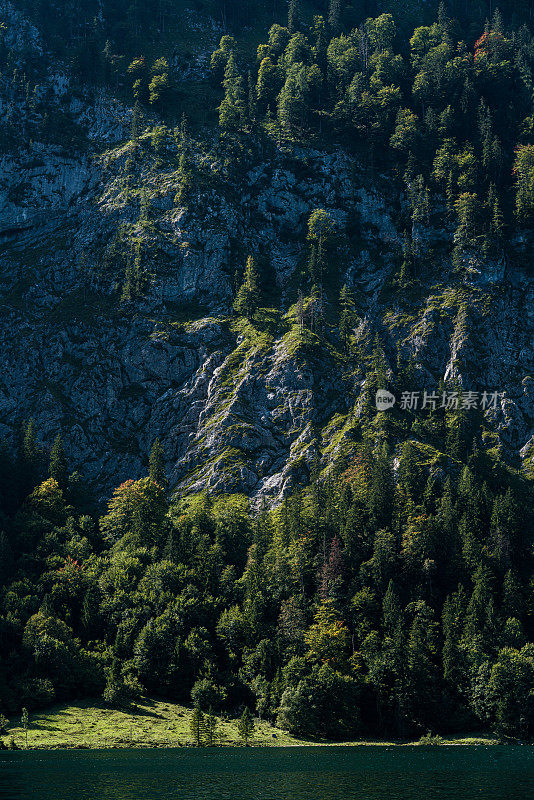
x=248, y=296
x=321, y=239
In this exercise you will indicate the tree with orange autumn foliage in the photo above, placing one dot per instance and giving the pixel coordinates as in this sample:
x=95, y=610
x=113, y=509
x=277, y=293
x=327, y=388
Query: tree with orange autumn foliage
x=136, y=511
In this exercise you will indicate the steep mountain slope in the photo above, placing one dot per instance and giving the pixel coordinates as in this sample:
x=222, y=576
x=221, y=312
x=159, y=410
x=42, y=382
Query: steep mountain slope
x=251, y=407
x=293, y=264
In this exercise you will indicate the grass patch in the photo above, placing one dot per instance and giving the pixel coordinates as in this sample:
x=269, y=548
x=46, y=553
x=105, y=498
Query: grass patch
x=149, y=723
x=156, y=723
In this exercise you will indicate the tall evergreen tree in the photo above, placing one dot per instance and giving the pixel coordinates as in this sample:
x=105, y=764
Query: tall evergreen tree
x=58, y=463
x=382, y=490
x=197, y=725
x=28, y=458
x=25, y=723
x=293, y=15
x=252, y=99
x=248, y=296
x=292, y=101
x=513, y=603
x=245, y=726
x=334, y=15
x=347, y=317
x=454, y=662
x=211, y=728
x=422, y=682
x=156, y=470
x=232, y=108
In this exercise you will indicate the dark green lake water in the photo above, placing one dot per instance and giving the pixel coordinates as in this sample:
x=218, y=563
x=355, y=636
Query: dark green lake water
x=298, y=773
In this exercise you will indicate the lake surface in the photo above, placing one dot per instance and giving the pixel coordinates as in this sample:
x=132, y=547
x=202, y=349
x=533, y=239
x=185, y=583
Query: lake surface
x=293, y=773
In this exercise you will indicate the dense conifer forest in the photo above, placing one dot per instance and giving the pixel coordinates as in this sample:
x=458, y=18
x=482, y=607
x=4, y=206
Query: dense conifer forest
x=381, y=600
x=391, y=591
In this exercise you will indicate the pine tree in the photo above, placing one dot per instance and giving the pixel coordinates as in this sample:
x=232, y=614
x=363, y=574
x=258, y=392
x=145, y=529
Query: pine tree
x=8, y=479
x=497, y=222
x=407, y=268
x=379, y=366
x=25, y=723
x=252, y=99
x=58, y=463
x=321, y=238
x=454, y=664
x=316, y=307
x=197, y=725
x=245, y=726
x=211, y=728
x=232, y=108
x=219, y=58
x=29, y=458
x=134, y=133
x=291, y=108
x=90, y=610
x=467, y=232
x=333, y=570
x=394, y=655
x=505, y=527
x=348, y=317
x=156, y=470
x=382, y=490
x=248, y=296
x=334, y=16
x=321, y=40
x=293, y=15
x=409, y=471
x=524, y=173
x=159, y=82
x=268, y=83
x=443, y=18
x=391, y=610
x=494, y=236
x=181, y=133
x=300, y=311
x=313, y=268
x=497, y=23
x=447, y=522
x=422, y=673
x=479, y=629
x=485, y=129
x=512, y=596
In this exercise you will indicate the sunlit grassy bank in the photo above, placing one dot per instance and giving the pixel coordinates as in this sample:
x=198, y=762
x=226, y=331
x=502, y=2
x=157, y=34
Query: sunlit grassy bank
x=152, y=723
x=149, y=723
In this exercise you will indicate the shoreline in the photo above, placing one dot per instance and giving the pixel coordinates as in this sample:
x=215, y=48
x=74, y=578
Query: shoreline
x=463, y=742
x=155, y=724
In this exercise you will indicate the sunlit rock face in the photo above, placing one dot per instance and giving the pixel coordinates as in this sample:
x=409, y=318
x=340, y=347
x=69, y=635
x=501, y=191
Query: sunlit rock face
x=236, y=411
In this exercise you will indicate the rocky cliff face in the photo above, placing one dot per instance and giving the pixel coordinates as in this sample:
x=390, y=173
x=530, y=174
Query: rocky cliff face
x=237, y=409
